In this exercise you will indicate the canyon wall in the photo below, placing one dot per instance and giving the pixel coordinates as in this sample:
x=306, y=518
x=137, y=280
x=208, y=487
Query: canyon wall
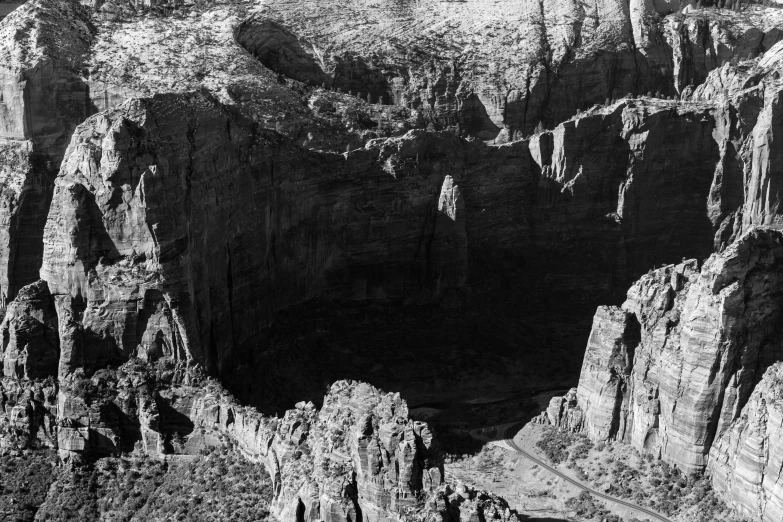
x=537, y=62
x=624, y=185
x=670, y=370
x=688, y=370
x=746, y=460
x=178, y=228
x=161, y=172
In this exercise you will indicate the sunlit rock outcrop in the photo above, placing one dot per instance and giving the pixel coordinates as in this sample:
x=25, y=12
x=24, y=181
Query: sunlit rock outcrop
x=672, y=370
x=746, y=460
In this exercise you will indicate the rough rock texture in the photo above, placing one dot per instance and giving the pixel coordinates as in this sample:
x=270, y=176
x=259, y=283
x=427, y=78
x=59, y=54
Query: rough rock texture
x=359, y=457
x=453, y=504
x=368, y=459
x=624, y=185
x=604, y=398
x=30, y=335
x=192, y=207
x=673, y=368
x=25, y=195
x=28, y=413
x=174, y=223
x=509, y=67
x=42, y=101
x=746, y=460
x=563, y=412
x=178, y=228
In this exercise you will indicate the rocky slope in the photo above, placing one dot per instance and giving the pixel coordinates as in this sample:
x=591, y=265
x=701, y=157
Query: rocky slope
x=507, y=68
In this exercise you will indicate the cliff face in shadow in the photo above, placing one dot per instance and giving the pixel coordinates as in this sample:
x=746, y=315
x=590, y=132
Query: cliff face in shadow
x=180, y=228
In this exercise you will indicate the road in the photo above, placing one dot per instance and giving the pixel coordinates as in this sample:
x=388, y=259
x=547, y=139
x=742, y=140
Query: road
x=483, y=401
x=506, y=436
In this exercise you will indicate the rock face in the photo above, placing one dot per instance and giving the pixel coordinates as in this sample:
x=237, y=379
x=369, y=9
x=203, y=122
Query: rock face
x=25, y=195
x=368, y=459
x=28, y=413
x=746, y=460
x=672, y=369
x=539, y=62
x=359, y=457
x=563, y=412
x=170, y=216
x=178, y=228
x=30, y=334
x=604, y=381
x=132, y=269
x=42, y=102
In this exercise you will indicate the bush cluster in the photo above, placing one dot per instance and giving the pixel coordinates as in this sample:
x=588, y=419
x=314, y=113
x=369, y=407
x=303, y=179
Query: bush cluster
x=559, y=445
x=218, y=485
x=25, y=478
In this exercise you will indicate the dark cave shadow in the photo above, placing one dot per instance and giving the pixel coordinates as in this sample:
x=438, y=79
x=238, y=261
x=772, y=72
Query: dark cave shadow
x=354, y=74
x=279, y=50
x=172, y=420
x=476, y=120
x=102, y=248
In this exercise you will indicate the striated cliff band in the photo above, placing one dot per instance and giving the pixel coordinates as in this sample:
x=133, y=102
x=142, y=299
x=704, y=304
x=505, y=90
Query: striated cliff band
x=211, y=211
x=686, y=370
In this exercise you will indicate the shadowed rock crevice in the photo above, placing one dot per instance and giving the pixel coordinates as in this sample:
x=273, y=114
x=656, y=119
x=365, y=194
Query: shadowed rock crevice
x=281, y=51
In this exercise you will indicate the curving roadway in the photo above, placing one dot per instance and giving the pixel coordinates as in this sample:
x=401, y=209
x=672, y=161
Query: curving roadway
x=506, y=435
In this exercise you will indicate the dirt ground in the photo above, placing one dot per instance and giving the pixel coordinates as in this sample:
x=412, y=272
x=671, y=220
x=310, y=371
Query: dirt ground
x=615, y=469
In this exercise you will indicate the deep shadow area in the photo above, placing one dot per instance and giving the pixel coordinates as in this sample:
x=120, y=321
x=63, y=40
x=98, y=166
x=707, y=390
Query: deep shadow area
x=426, y=353
x=280, y=50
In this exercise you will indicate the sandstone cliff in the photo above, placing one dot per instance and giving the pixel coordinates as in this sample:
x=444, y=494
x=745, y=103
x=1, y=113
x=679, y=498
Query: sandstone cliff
x=746, y=460
x=624, y=185
x=180, y=228
x=671, y=369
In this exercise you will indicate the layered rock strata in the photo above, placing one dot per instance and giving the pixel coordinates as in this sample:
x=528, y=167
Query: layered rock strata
x=178, y=228
x=555, y=187
x=671, y=369
x=28, y=413
x=504, y=70
x=42, y=99
x=31, y=335
x=746, y=460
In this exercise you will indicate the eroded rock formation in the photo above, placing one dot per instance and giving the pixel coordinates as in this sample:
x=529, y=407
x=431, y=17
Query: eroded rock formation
x=746, y=460
x=359, y=457
x=673, y=368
